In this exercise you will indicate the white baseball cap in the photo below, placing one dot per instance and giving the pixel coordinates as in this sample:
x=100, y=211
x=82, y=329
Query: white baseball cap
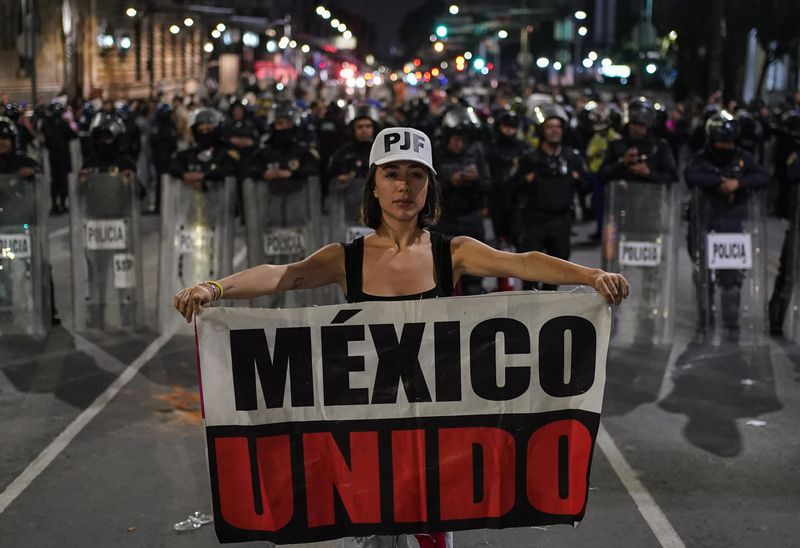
x=395, y=144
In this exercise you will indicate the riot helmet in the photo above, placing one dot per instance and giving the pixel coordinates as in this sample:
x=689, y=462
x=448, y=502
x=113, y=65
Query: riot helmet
x=8, y=131
x=363, y=111
x=508, y=118
x=790, y=125
x=546, y=111
x=206, y=126
x=12, y=111
x=108, y=133
x=639, y=111
x=461, y=120
x=284, y=109
x=750, y=130
x=722, y=128
x=164, y=112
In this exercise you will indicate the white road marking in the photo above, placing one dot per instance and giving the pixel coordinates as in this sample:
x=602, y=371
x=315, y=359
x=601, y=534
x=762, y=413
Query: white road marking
x=645, y=503
x=49, y=454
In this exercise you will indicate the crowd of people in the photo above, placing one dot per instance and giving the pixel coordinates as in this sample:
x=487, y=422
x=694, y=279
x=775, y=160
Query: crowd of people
x=517, y=167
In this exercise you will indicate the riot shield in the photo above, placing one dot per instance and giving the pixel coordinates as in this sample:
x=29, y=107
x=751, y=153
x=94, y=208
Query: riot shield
x=345, y=210
x=25, y=305
x=196, y=238
x=106, y=253
x=641, y=243
x=282, y=221
x=792, y=323
x=727, y=239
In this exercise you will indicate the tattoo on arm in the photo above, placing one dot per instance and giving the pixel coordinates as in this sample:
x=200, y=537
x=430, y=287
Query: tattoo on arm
x=297, y=282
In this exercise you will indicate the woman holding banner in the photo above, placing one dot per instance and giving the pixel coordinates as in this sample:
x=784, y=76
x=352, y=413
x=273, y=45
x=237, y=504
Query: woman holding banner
x=401, y=260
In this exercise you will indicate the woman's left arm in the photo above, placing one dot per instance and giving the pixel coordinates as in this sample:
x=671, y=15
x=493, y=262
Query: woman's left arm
x=474, y=258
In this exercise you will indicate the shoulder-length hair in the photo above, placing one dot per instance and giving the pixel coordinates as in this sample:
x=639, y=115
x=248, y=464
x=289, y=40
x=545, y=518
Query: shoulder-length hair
x=372, y=215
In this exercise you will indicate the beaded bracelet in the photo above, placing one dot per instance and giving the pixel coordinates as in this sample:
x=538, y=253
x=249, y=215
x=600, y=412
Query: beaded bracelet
x=218, y=291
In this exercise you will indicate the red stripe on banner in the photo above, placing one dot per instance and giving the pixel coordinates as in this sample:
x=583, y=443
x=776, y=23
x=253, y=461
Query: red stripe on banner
x=261, y=503
x=357, y=484
x=559, y=455
x=461, y=497
x=199, y=374
x=408, y=476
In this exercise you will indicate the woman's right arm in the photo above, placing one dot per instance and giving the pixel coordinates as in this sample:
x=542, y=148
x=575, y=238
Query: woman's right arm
x=324, y=267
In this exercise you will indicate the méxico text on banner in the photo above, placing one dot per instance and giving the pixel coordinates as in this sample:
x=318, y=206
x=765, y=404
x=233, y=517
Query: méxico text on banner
x=402, y=417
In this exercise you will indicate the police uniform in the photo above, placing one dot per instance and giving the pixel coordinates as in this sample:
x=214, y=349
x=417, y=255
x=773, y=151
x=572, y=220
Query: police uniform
x=726, y=215
x=283, y=151
x=503, y=155
x=652, y=151
x=785, y=280
x=543, y=207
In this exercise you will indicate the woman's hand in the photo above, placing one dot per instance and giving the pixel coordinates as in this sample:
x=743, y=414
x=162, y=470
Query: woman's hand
x=191, y=301
x=614, y=287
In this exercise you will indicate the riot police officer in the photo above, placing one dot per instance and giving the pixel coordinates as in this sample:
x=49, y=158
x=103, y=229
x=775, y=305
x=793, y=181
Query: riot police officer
x=163, y=140
x=57, y=135
x=240, y=132
x=284, y=158
x=11, y=161
x=208, y=159
x=352, y=160
x=725, y=174
x=107, y=132
x=502, y=155
x=465, y=181
x=782, y=291
x=639, y=155
x=546, y=180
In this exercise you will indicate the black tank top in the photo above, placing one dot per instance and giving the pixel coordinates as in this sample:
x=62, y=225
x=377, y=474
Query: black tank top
x=442, y=264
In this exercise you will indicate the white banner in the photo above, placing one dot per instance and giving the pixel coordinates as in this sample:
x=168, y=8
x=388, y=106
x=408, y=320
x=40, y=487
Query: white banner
x=639, y=253
x=520, y=315
x=104, y=234
x=15, y=246
x=497, y=397
x=729, y=251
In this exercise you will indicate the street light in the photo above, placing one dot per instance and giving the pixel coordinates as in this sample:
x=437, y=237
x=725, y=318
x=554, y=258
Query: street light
x=320, y=10
x=342, y=27
x=502, y=33
x=542, y=62
x=327, y=14
x=221, y=27
x=583, y=31
x=208, y=47
x=467, y=55
x=305, y=48
x=131, y=12
x=453, y=9
x=557, y=65
x=347, y=35
x=335, y=23
x=438, y=47
x=651, y=68
x=174, y=29
x=188, y=22
x=580, y=15
x=441, y=31
x=592, y=55
x=215, y=33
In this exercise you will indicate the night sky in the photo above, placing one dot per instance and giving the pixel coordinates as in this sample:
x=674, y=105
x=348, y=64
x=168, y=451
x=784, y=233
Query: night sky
x=386, y=17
